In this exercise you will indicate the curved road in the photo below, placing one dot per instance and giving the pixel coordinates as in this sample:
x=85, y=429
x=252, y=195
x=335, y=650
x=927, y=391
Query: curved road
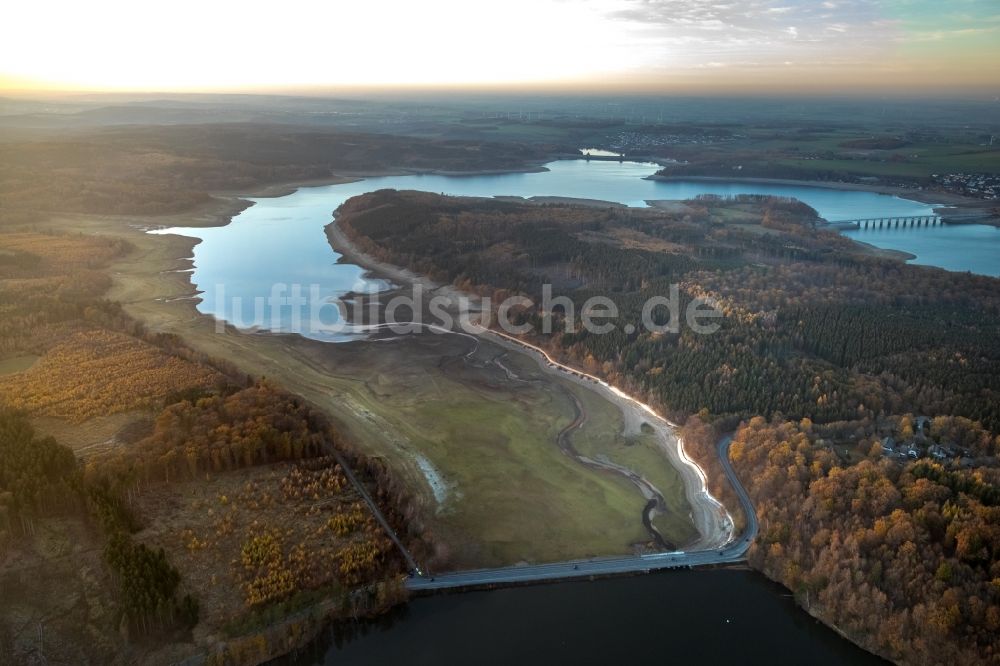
x=752, y=526
x=734, y=551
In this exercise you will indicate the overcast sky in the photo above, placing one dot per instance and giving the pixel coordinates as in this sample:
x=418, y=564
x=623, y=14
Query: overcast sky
x=724, y=45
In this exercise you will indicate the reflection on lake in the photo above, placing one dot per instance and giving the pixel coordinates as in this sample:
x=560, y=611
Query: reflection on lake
x=709, y=616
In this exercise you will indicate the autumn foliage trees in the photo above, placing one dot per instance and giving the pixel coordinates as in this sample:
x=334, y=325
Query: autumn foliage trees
x=904, y=558
x=319, y=532
x=98, y=372
x=94, y=360
x=303, y=531
x=217, y=433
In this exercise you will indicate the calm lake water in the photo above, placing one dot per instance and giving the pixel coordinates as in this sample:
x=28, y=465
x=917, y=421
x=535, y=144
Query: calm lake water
x=681, y=617
x=280, y=241
x=957, y=247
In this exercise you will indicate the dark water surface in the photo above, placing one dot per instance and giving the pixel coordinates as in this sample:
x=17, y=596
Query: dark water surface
x=676, y=617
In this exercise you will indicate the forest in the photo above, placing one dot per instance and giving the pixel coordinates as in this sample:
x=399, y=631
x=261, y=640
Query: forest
x=190, y=422
x=905, y=559
x=37, y=475
x=249, y=487
x=40, y=479
x=813, y=325
x=92, y=358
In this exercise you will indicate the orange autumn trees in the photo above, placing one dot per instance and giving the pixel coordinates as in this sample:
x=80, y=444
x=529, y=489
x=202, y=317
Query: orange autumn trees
x=903, y=557
x=191, y=427
x=94, y=359
x=99, y=372
x=217, y=433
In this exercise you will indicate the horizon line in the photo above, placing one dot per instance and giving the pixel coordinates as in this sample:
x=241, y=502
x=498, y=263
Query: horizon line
x=747, y=91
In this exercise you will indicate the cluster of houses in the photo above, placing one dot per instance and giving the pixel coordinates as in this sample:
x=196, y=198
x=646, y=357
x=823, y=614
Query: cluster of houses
x=920, y=445
x=981, y=185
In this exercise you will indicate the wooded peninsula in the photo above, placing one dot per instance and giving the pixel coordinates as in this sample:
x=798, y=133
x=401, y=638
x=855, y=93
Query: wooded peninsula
x=863, y=391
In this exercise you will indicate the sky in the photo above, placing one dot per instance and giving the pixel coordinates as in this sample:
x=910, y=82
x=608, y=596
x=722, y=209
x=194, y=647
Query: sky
x=580, y=45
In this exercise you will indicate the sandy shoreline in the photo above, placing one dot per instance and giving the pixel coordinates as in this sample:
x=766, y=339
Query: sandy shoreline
x=711, y=519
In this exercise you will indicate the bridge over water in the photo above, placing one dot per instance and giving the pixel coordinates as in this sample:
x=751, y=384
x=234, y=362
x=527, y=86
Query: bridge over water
x=889, y=222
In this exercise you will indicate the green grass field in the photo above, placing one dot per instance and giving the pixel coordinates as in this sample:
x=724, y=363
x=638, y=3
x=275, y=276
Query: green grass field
x=512, y=495
x=601, y=436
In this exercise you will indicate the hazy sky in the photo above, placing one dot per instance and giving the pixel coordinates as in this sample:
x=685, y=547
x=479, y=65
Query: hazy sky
x=724, y=45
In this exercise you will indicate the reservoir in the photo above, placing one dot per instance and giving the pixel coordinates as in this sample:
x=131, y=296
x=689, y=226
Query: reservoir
x=280, y=240
x=715, y=616
x=681, y=617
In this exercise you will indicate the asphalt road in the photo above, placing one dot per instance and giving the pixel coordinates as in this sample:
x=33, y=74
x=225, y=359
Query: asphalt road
x=735, y=551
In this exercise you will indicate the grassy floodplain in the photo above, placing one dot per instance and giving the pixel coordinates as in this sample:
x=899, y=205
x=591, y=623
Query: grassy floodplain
x=479, y=446
x=604, y=435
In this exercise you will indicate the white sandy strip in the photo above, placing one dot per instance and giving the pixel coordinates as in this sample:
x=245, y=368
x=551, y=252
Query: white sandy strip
x=438, y=485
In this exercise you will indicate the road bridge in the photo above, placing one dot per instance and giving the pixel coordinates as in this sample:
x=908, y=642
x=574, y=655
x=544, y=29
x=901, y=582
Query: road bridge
x=912, y=221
